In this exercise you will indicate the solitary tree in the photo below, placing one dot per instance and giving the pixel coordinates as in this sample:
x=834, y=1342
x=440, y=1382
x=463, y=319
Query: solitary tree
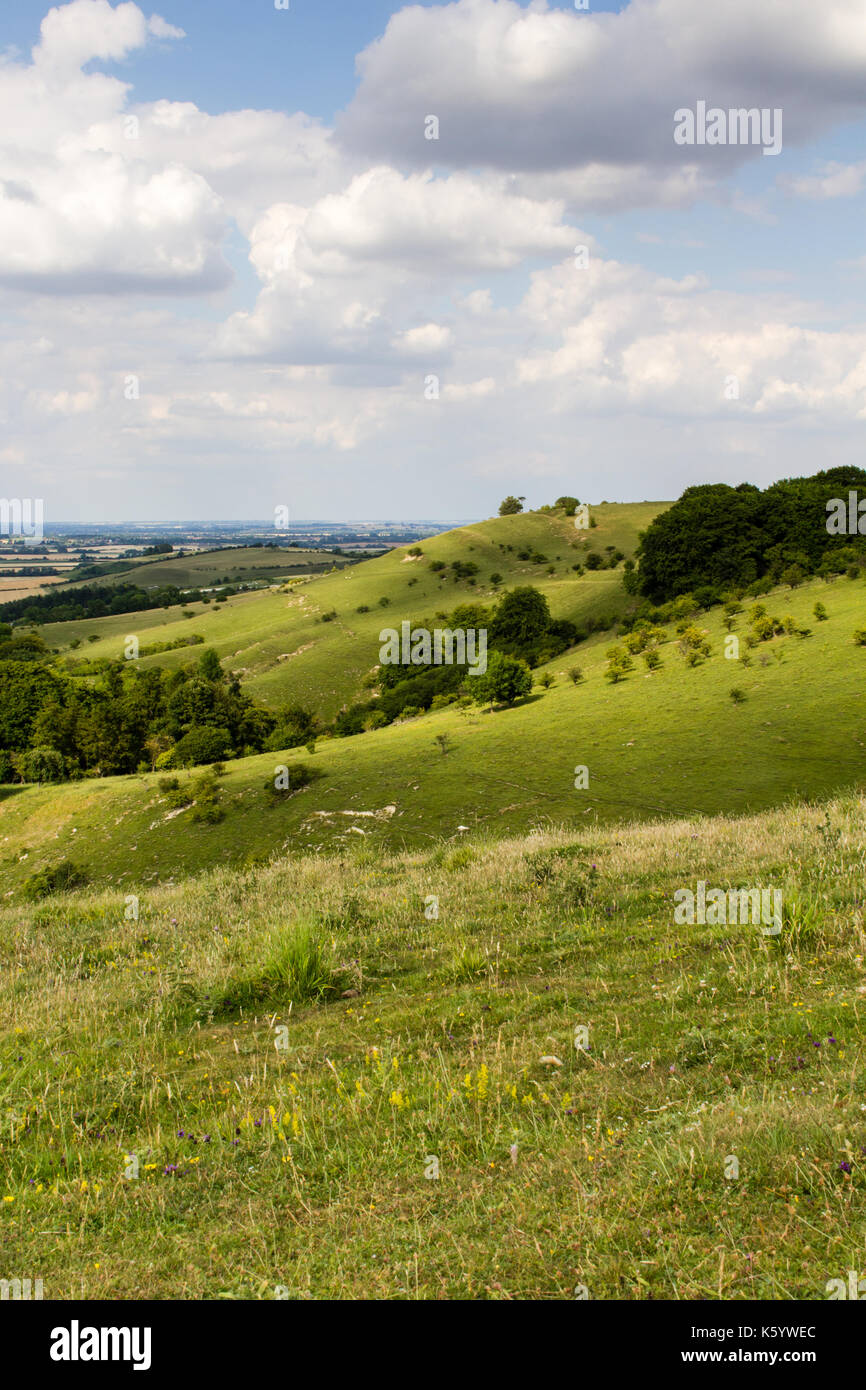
x=511, y=506
x=505, y=680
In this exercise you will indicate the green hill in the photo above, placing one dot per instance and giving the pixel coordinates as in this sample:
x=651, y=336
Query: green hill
x=284, y=652
x=671, y=742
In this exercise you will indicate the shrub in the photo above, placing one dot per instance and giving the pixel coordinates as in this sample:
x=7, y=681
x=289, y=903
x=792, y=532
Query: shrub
x=291, y=778
x=363, y=608
x=619, y=663
x=820, y=613
x=414, y=550
x=545, y=680
x=860, y=637
x=737, y=695
x=575, y=675
x=42, y=765
x=203, y=744
x=506, y=679
x=59, y=878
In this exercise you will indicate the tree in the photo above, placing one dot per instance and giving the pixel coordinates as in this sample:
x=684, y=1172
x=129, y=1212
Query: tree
x=506, y=679
x=521, y=617
x=568, y=504
x=41, y=765
x=209, y=665
x=511, y=506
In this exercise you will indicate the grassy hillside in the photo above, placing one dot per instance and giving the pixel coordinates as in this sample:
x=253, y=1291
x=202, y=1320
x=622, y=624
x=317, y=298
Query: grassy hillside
x=156, y=1143
x=283, y=651
x=669, y=743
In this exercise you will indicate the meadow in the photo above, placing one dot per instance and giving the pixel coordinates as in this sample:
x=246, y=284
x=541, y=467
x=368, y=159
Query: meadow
x=356, y=1075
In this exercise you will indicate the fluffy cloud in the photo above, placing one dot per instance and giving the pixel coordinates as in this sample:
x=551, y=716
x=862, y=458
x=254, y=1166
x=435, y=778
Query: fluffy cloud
x=81, y=214
x=538, y=89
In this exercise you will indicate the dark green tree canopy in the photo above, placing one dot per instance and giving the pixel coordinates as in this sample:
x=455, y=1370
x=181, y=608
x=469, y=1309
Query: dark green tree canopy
x=728, y=537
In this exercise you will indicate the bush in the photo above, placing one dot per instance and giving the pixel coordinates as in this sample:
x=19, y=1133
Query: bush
x=206, y=795
x=363, y=608
x=60, y=878
x=820, y=613
x=545, y=680
x=505, y=680
x=619, y=663
x=42, y=765
x=738, y=696
x=290, y=779
x=204, y=744
x=575, y=675
x=860, y=637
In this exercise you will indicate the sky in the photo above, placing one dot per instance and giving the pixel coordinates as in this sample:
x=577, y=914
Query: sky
x=362, y=260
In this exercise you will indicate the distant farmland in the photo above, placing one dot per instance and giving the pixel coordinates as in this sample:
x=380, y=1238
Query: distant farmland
x=231, y=565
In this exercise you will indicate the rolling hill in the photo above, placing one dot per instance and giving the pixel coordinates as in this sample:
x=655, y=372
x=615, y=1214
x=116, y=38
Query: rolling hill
x=284, y=652
x=671, y=742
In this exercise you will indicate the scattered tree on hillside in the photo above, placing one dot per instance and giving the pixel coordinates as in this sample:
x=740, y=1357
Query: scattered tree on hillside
x=506, y=679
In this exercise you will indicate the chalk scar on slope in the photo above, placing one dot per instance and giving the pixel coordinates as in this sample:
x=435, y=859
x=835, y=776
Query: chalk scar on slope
x=170, y=815
x=384, y=814
x=285, y=656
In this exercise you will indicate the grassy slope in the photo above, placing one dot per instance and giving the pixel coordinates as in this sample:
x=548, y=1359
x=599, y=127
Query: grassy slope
x=284, y=653
x=306, y=1169
x=672, y=743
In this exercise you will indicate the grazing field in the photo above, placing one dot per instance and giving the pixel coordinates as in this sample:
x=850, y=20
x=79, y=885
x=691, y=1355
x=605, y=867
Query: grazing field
x=346, y=1077
x=670, y=742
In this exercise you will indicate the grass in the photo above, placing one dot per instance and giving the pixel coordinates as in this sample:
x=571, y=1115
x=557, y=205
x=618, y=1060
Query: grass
x=158, y=1141
x=671, y=743
x=283, y=652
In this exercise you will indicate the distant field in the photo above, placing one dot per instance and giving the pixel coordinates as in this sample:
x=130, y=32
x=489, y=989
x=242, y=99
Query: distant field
x=21, y=586
x=209, y=567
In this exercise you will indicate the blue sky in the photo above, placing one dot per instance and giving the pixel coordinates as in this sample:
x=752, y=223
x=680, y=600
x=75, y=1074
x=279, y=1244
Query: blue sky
x=275, y=290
